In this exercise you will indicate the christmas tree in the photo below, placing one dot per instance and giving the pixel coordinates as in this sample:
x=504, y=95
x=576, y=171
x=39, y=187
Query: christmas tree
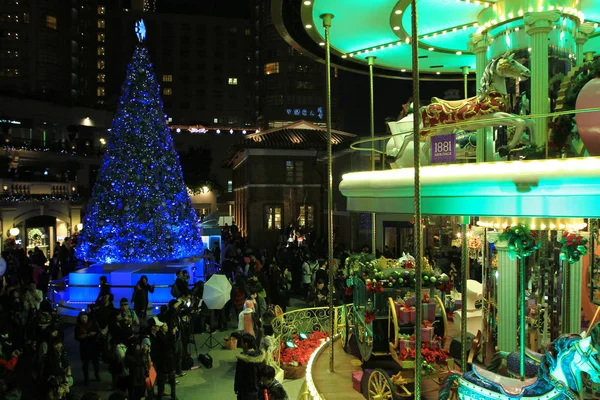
x=140, y=210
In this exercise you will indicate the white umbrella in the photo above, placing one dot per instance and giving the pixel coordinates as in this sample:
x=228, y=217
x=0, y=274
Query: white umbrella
x=217, y=291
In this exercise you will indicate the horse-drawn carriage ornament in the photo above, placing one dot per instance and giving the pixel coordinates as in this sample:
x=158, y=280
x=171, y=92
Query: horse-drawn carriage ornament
x=488, y=108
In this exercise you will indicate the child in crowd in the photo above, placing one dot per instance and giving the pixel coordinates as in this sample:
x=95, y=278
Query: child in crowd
x=272, y=386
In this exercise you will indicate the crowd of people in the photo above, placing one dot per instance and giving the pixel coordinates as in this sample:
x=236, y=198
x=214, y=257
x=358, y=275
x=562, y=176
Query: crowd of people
x=146, y=355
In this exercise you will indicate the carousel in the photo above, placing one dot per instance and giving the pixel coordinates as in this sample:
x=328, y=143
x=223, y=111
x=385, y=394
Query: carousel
x=509, y=173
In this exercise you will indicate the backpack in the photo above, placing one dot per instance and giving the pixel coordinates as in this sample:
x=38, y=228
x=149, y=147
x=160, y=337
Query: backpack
x=175, y=291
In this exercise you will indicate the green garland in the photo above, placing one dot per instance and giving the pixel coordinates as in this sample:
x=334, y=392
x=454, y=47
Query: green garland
x=366, y=267
x=522, y=242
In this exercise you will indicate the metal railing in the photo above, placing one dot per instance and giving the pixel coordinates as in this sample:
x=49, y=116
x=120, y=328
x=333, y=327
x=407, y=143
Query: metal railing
x=308, y=320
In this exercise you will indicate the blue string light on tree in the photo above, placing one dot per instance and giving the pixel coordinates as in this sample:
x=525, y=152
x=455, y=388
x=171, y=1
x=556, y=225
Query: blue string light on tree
x=140, y=210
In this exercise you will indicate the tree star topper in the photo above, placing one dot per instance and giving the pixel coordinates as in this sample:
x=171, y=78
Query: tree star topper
x=140, y=30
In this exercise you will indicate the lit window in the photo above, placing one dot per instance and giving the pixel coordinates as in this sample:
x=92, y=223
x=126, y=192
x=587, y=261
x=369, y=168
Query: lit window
x=100, y=64
x=232, y=81
x=229, y=186
x=101, y=37
x=306, y=216
x=167, y=78
x=101, y=78
x=216, y=120
x=100, y=91
x=167, y=91
x=101, y=51
x=247, y=31
x=273, y=217
x=294, y=171
x=101, y=10
x=271, y=68
x=101, y=24
x=50, y=22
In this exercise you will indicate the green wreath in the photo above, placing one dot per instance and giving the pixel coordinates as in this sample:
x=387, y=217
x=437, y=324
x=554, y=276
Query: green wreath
x=522, y=242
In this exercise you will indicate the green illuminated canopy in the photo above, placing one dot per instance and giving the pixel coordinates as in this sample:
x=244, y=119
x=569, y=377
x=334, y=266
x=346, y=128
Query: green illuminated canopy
x=382, y=28
x=555, y=188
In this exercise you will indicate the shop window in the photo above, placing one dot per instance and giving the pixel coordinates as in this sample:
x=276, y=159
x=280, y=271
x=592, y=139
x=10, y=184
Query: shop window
x=273, y=216
x=306, y=216
x=50, y=22
x=271, y=68
x=294, y=171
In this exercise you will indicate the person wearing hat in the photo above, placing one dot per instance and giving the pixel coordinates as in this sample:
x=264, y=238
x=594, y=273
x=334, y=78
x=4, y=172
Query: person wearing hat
x=126, y=312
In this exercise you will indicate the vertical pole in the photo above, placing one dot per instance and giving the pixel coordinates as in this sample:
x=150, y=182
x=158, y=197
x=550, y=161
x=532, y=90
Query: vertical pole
x=521, y=266
x=486, y=297
x=465, y=71
x=463, y=310
x=327, y=24
x=566, y=297
x=371, y=60
x=418, y=225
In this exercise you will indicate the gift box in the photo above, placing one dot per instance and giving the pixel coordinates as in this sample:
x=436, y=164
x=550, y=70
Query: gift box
x=428, y=311
x=356, y=380
x=410, y=301
x=457, y=304
x=426, y=333
x=406, y=344
x=407, y=364
x=407, y=315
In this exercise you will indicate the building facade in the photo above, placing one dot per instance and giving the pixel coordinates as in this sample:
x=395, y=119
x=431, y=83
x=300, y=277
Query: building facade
x=278, y=181
x=288, y=86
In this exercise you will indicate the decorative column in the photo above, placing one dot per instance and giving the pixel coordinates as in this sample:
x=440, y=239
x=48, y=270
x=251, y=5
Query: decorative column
x=538, y=25
x=507, y=299
x=485, y=147
x=581, y=37
x=589, y=56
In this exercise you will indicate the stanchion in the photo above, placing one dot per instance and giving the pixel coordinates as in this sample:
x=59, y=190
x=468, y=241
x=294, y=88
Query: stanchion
x=417, y=201
x=371, y=60
x=327, y=25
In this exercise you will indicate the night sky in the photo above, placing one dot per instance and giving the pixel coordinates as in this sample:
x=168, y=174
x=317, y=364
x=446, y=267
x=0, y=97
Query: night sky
x=390, y=94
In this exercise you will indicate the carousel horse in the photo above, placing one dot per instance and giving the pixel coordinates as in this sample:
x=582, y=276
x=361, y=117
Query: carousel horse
x=560, y=374
x=473, y=113
x=532, y=363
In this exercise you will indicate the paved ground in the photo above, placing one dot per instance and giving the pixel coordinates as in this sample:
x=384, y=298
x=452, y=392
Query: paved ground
x=200, y=383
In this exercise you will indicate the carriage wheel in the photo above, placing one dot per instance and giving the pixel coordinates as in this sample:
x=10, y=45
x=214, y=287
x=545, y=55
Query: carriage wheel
x=380, y=386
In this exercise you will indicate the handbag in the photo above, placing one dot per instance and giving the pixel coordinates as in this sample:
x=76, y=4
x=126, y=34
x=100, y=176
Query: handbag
x=231, y=343
x=151, y=378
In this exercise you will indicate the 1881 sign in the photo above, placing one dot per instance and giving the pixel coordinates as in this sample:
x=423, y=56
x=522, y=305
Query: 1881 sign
x=443, y=149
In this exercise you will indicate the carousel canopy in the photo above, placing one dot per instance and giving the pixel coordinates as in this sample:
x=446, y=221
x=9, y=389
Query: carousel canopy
x=555, y=188
x=382, y=28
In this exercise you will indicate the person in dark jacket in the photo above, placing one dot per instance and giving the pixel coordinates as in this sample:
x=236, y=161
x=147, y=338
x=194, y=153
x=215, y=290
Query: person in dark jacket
x=247, y=383
x=135, y=361
x=87, y=334
x=182, y=283
x=104, y=289
x=273, y=387
x=140, y=296
x=166, y=368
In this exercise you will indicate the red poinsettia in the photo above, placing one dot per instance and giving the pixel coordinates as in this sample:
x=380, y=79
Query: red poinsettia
x=349, y=290
x=302, y=350
x=369, y=317
x=375, y=287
